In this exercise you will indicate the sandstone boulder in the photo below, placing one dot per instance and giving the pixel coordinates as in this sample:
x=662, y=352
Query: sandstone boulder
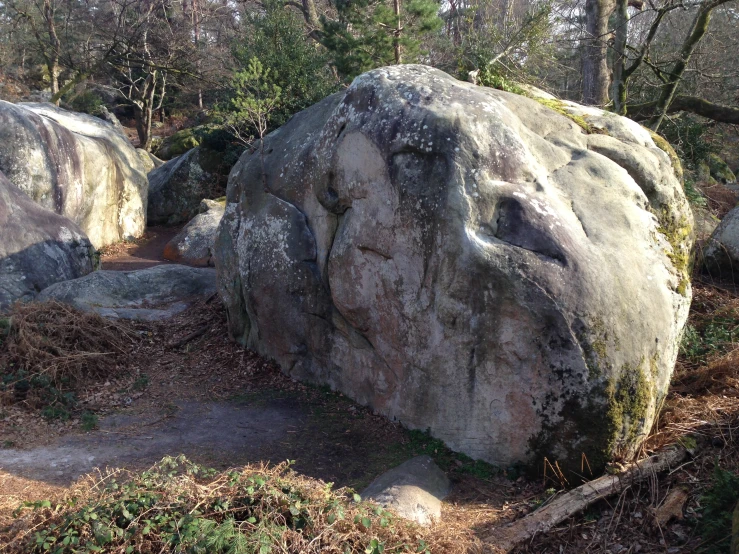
x=37, y=247
x=510, y=275
x=76, y=165
x=145, y=294
x=414, y=490
x=194, y=245
x=720, y=254
x=176, y=189
x=149, y=160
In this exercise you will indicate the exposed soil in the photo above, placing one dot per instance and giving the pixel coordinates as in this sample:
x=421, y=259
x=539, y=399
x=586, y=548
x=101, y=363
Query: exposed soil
x=141, y=253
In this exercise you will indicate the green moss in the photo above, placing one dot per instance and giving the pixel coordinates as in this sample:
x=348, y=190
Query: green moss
x=719, y=169
x=177, y=144
x=677, y=233
x=599, y=431
x=500, y=83
x=666, y=147
x=628, y=405
x=560, y=107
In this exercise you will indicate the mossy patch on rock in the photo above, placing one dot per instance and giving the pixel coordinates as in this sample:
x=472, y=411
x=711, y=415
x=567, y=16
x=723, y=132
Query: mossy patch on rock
x=678, y=234
x=177, y=144
x=662, y=143
x=719, y=169
x=628, y=405
x=561, y=108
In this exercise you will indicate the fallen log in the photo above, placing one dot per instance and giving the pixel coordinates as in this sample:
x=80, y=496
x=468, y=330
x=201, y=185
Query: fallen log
x=506, y=538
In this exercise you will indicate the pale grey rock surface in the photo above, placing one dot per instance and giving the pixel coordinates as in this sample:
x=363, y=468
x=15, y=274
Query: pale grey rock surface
x=37, y=247
x=176, y=189
x=720, y=254
x=76, y=165
x=414, y=490
x=467, y=261
x=149, y=160
x=147, y=294
x=195, y=243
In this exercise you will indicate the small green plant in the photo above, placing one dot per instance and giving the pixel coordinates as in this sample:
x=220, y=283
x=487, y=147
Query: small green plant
x=693, y=195
x=718, y=503
x=89, y=421
x=715, y=337
x=141, y=382
x=178, y=506
x=86, y=102
x=686, y=135
x=256, y=96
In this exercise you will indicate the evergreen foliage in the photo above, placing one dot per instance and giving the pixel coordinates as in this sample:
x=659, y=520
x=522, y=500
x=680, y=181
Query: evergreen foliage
x=369, y=34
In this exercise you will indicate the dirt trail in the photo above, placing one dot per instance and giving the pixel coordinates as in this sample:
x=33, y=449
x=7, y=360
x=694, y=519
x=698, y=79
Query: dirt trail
x=205, y=432
x=146, y=252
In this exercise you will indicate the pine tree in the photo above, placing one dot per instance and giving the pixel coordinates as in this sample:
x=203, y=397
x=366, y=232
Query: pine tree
x=372, y=33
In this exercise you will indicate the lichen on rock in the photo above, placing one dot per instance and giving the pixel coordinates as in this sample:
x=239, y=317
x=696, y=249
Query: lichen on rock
x=467, y=261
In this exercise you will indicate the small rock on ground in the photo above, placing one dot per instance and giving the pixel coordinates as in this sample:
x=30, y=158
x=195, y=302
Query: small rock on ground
x=414, y=490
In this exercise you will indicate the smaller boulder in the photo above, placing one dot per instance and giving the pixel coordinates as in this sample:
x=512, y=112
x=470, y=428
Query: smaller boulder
x=721, y=252
x=38, y=247
x=414, y=490
x=177, y=144
x=147, y=294
x=195, y=243
x=176, y=189
x=720, y=170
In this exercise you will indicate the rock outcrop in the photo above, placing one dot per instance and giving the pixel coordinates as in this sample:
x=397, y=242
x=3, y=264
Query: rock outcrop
x=720, y=254
x=508, y=274
x=146, y=294
x=37, y=247
x=194, y=245
x=75, y=165
x=176, y=189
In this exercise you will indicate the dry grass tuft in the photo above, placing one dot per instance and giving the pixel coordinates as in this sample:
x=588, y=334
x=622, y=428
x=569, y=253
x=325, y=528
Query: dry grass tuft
x=62, y=343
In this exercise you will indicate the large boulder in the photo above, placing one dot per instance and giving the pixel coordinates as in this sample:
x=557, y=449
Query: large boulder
x=720, y=254
x=176, y=189
x=76, y=165
x=510, y=276
x=146, y=294
x=195, y=243
x=38, y=247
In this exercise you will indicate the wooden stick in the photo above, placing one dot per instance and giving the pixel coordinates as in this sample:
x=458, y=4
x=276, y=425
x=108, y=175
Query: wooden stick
x=506, y=538
x=195, y=334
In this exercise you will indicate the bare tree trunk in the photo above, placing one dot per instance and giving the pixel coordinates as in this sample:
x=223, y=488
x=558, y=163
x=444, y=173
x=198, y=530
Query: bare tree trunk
x=618, y=88
x=697, y=31
x=398, y=30
x=52, y=61
x=144, y=111
x=594, y=63
x=196, y=33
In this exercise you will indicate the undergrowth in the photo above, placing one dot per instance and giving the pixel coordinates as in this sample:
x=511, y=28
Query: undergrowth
x=719, y=502
x=47, y=349
x=177, y=506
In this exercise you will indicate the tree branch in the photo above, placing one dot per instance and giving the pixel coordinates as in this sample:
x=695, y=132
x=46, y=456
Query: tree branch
x=693, y=104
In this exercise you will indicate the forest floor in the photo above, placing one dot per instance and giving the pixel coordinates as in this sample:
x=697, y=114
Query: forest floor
x=223, y=406
x=141, y=253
